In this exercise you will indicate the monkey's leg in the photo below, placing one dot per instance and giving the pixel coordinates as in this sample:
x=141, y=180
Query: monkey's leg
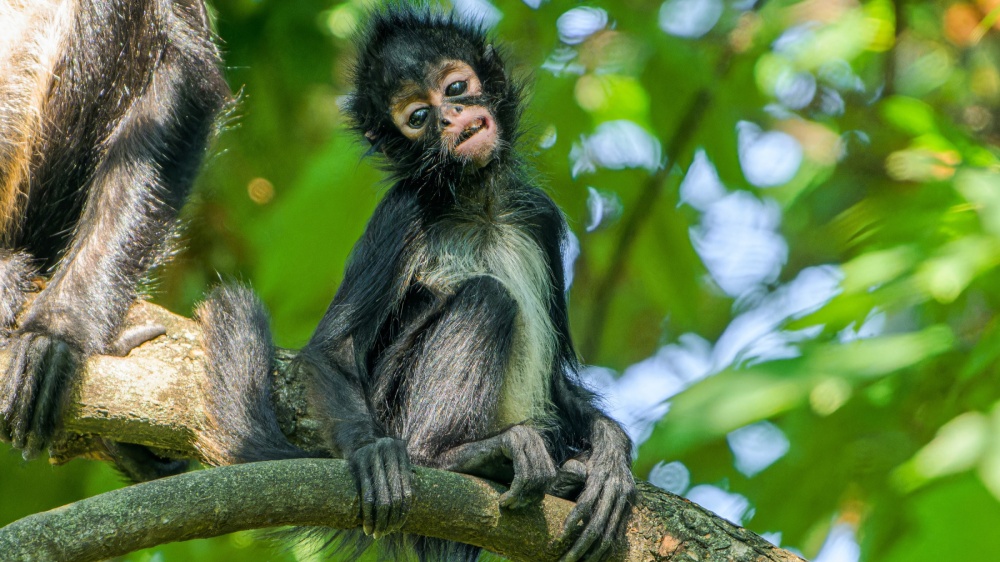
x=143, y=178
x=456, y=386
x=519, y=450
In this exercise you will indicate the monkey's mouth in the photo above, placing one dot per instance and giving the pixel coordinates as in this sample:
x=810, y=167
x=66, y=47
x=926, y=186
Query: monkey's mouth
x=478, y=125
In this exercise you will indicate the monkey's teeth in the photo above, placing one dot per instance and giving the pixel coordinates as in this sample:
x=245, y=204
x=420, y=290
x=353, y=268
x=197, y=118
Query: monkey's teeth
x=471, y=130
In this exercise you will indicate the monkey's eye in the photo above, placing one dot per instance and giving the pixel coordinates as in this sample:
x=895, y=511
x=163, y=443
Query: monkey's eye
x=456, y=88
x=418, y=118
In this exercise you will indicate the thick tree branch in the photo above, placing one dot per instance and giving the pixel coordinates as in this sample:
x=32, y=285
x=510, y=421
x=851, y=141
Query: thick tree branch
x=152, y=398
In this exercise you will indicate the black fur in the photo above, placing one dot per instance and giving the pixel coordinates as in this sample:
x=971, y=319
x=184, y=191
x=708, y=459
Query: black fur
x=16, y=271
x=448, y=342
x=237, y=336
x=115, y=130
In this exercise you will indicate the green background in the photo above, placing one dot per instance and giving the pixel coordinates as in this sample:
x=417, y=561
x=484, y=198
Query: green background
x=889, y=434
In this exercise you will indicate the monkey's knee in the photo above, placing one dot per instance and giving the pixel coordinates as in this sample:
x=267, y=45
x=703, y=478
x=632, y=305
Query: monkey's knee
x=484, y=291
x=16, y=272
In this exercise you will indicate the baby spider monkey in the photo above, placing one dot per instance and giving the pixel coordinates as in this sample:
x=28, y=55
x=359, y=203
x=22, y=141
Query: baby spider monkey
x=448, y=343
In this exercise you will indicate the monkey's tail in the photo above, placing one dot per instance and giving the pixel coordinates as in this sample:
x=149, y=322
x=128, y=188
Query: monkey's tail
x=241, y=422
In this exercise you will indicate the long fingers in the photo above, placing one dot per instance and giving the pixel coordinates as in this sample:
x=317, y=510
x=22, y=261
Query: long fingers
x=398, y=471
x=31, y=390
x=382, y=472
x=596, y=536
x=602, y=510
x=585, y=510
x=533, y=467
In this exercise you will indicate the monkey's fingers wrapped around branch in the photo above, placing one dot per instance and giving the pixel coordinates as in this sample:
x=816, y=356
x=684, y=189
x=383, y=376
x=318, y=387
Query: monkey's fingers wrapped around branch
x=382, y=474
x=608, y=494
x=517, y=455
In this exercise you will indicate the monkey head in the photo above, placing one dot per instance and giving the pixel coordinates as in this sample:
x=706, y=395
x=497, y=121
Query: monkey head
x=432, y=94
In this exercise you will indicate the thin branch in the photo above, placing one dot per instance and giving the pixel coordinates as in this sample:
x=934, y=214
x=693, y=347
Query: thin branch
x=152, y=397
x=320, y=492
x=890, y=69
x=680, y=143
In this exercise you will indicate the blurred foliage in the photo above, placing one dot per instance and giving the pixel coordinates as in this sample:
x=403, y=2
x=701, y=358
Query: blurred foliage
x=790, y=209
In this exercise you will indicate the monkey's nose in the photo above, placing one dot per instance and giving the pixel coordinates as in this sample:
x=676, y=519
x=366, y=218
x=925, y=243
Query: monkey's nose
x=447, y=110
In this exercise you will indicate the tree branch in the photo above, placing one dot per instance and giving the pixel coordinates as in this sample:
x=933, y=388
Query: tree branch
x=679, y=143
x=152, y=397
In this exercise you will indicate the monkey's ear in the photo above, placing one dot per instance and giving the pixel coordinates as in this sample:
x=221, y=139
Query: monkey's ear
x=490, y=53
x=376, y=143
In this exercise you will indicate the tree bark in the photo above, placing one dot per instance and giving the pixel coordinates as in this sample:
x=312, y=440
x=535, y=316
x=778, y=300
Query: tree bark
x=153, y=398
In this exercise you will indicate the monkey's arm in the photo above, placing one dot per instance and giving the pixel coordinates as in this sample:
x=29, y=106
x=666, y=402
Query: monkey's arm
x=608, y=487
x=148, y=161
x=337, y=355
x=379, y=464
x=602, y=468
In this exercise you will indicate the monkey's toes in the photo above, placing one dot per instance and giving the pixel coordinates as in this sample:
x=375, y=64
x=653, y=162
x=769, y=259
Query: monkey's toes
x=32, y=389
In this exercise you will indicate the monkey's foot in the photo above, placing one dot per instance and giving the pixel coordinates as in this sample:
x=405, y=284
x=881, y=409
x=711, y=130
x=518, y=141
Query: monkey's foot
x=32, y=390
x=382, y=473
x=602, y=509
x=521, y=448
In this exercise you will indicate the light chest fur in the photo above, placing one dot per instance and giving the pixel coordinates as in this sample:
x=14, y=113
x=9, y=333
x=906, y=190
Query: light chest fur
x=32, y=36
x=495, y=246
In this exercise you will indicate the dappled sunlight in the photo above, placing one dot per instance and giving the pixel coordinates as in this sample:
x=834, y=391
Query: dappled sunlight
x=841, y=545
x=481, y=11
x=577, y=24
x=638, y=397
x=689, y=18
x=616, y=145
x=739, y=243
x=701, y=186
x=872, y=326
x=768, y=158
x=731, y=506
x=671, y=476
x=570, y=252
x=603, y=208
x=757, y=446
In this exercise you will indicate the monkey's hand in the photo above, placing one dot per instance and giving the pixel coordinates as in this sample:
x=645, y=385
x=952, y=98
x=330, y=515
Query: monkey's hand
x=519, y=450
x=602, y=507
x=33, y=389
x=382, y=474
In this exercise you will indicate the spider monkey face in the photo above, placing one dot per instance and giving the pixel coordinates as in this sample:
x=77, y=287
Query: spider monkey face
x=448, y=109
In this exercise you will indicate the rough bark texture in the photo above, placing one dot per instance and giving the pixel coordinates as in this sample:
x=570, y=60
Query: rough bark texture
x=152, y=397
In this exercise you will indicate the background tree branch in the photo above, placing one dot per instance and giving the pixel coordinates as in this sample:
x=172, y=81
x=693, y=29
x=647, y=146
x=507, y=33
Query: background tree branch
x=153, y=397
